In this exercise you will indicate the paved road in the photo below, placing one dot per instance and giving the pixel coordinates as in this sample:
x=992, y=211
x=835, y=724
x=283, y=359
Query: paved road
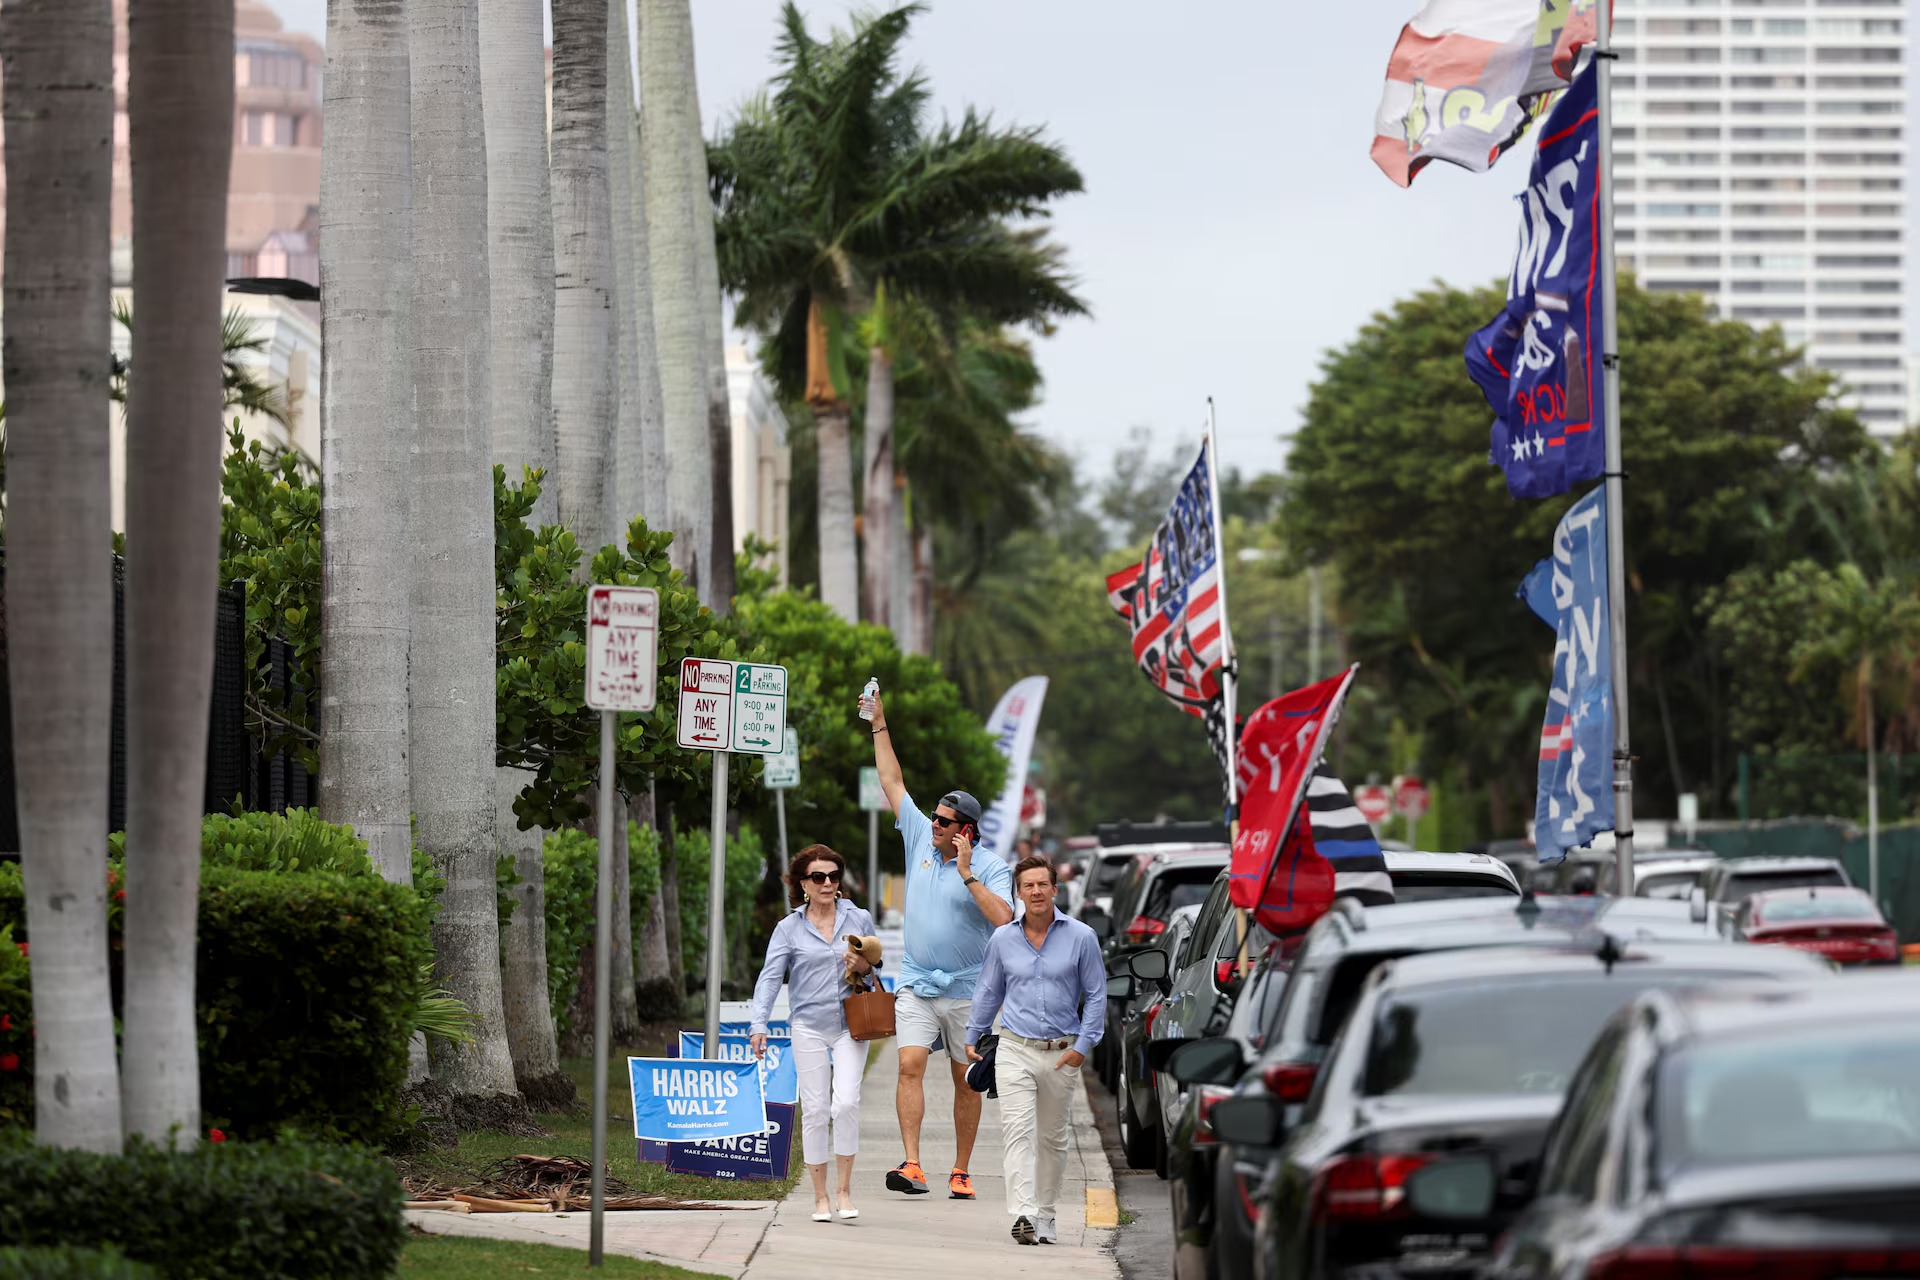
x=1143, y=1247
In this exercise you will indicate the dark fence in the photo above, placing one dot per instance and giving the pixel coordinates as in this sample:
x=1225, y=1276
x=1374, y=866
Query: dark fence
x=1832, y=838
x=234, y=768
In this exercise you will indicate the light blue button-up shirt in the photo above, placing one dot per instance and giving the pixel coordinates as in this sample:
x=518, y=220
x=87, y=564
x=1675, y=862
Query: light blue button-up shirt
x=814, y=969
x=945, y=934
x=1049, y=993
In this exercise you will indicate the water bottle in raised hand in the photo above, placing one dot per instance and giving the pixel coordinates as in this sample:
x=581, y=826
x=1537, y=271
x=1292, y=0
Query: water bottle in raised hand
x=866, y=697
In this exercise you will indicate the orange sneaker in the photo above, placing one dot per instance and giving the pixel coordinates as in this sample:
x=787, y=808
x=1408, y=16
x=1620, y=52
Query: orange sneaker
x=908, y=1177
x=959, y=1185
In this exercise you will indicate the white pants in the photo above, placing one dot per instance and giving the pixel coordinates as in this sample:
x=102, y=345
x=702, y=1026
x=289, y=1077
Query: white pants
x=1036, y=1101
x=829, y=1067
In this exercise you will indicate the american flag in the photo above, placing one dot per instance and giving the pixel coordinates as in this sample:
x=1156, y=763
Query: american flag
x=1172, y=604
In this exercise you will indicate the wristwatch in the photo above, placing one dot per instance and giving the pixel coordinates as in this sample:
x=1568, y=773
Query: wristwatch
x=971, y=880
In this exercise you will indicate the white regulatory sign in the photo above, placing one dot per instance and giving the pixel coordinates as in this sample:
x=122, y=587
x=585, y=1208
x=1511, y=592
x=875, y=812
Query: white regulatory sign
x=782, y=772
x=623, y=647
x=873, y=796
x=732, y=706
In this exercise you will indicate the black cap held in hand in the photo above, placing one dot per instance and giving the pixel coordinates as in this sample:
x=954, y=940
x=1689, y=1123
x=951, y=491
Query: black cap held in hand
x=963, y=804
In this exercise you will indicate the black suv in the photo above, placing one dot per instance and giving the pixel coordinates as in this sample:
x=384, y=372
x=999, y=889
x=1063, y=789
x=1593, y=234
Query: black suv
x=1158, y=884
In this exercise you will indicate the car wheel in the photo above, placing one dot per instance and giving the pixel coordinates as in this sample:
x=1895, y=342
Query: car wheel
x=1135, y=1138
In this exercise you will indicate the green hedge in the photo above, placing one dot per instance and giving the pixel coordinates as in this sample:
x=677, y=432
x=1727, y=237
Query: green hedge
x=70, y=1262
x=308, y=982
x=569, y=860
x=286, y=1210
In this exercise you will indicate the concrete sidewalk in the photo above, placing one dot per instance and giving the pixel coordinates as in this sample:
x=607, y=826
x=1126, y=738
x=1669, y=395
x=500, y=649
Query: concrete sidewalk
x=932, y=1237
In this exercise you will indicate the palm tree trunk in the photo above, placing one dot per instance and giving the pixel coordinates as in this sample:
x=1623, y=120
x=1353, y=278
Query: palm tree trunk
x=670, y=905
x=366, y=431
x=520, y=380
x=839, y=576
x=877, y=510
x=180, y=107
x=668, y=117
x=59, y=169
x=650, y=499
x=625, y=457
x=714, y=324
x=657, y=1000
x=453, y=657
x=519, y=243
x=900, y=570
x=923, y=588
x=584, y=380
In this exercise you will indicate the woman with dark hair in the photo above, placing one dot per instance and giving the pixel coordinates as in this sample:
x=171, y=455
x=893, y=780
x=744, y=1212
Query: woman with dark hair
x=809, y=952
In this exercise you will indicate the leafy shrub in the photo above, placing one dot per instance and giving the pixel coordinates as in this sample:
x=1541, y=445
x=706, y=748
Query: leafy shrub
x=70, y=1262
x=309, y=986
x=284, y=1210
x=570, y=859
x=746, y=866
x=16, y=1036
x=297, y=840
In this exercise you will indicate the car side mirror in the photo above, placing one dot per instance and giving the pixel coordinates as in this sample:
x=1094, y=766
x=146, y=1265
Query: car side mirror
x=1248, y=1122
x=1120, y=987
x=1462, y=1188
x=1097, y=920
x=1697, y=905
x=1160, y=1052
x=1215, y=1060
x=1150, y=964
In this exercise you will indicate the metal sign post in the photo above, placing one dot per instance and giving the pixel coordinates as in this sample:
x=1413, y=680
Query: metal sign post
x=726, y=707
x=780, y=773
x=873, y=798
x=623, y=658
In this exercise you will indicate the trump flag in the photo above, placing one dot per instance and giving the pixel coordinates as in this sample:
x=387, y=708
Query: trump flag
x=1569, y=592
x=1173, y=606
x=1276, y=872
x=1468, y=76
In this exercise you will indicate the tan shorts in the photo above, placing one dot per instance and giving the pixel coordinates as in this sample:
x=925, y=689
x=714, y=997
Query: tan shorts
x=918, y=1022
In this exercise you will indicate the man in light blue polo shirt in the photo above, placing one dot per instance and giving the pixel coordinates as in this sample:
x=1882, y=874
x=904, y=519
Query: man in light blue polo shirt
x=952, y=908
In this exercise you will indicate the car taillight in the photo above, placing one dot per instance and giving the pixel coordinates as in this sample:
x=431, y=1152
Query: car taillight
x=1223, y=971
x=1146, y=927
x=1364, y=1188
x=1290, y=1081
x=1708, y=1262
x=1207, y=1095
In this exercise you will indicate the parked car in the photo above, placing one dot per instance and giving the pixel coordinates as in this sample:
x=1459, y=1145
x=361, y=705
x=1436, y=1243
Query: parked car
x=1135, y=1098
x=1282, y=1058
x=1739, y=1131
x=1443, y=1054
x=1423, y=877
x=1670, y=875
x=1729, y=881
x=1150, y=891
x=1843, y=925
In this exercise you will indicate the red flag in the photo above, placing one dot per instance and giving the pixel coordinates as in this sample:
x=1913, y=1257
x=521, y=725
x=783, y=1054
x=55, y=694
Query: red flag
x=1276, y=872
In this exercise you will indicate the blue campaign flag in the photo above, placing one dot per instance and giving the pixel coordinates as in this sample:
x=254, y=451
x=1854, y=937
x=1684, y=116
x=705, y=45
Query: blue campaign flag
x=684, y=1100
x=1538, y=362
x=1576, y=742
x=760, y=1157
x=779, y=1079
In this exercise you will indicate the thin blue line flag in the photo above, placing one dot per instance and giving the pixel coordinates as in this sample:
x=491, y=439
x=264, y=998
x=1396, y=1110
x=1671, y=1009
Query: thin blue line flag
x=1538, y=362
x=1569, y=592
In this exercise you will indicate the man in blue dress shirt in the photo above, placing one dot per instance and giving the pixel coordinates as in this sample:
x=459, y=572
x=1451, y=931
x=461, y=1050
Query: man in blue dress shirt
x=952, y=908
x=1043, y=975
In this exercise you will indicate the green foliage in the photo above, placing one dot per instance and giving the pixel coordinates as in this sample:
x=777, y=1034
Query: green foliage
x=441, y=1013
x=70, y=1262
x=240, y=382
x=292, y=1209
x=746, y=865
x=16, y=1025
x=571, y=860
x=309, y=991
x=1778, y=699
x=270, y=538
x=297, y=840
x=1389, y=485
x=545, y=725
x=942, y=744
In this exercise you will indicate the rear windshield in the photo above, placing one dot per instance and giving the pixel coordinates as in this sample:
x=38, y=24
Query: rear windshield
x=1815, y=909
x=1107, y=874
x=1432, y=886
x=1177, y=887
x=1506, y=1035
x=1674, y=884
x=1796, y=1093
x=1740, y=886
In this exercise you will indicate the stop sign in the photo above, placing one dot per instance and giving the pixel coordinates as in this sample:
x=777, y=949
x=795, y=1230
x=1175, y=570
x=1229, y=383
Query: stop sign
x=1374, y=803
x=1410, y=798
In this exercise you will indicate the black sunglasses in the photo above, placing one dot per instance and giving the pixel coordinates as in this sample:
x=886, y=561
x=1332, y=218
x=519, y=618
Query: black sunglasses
x=942, y=820
x=823, y=877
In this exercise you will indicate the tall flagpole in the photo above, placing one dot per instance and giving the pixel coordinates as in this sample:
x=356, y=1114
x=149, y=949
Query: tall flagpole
x=1616, y=499
x=1228, y=680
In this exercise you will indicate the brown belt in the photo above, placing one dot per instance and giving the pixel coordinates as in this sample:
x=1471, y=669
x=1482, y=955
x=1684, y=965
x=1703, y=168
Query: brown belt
x=1065, y=1042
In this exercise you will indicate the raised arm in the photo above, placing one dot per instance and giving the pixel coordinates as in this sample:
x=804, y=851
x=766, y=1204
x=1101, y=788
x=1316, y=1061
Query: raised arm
x=883, y=758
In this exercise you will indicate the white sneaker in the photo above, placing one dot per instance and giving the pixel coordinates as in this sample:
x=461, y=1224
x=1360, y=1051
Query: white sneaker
x=1045, y=1231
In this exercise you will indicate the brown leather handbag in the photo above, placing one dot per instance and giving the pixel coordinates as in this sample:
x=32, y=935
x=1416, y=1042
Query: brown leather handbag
x=869, y=1012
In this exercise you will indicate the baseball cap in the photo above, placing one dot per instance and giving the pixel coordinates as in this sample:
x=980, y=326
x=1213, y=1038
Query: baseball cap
x=980, y=1075
x=963, y=804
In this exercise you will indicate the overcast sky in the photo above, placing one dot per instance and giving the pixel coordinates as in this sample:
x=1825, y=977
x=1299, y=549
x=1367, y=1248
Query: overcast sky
x=1233, y=227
